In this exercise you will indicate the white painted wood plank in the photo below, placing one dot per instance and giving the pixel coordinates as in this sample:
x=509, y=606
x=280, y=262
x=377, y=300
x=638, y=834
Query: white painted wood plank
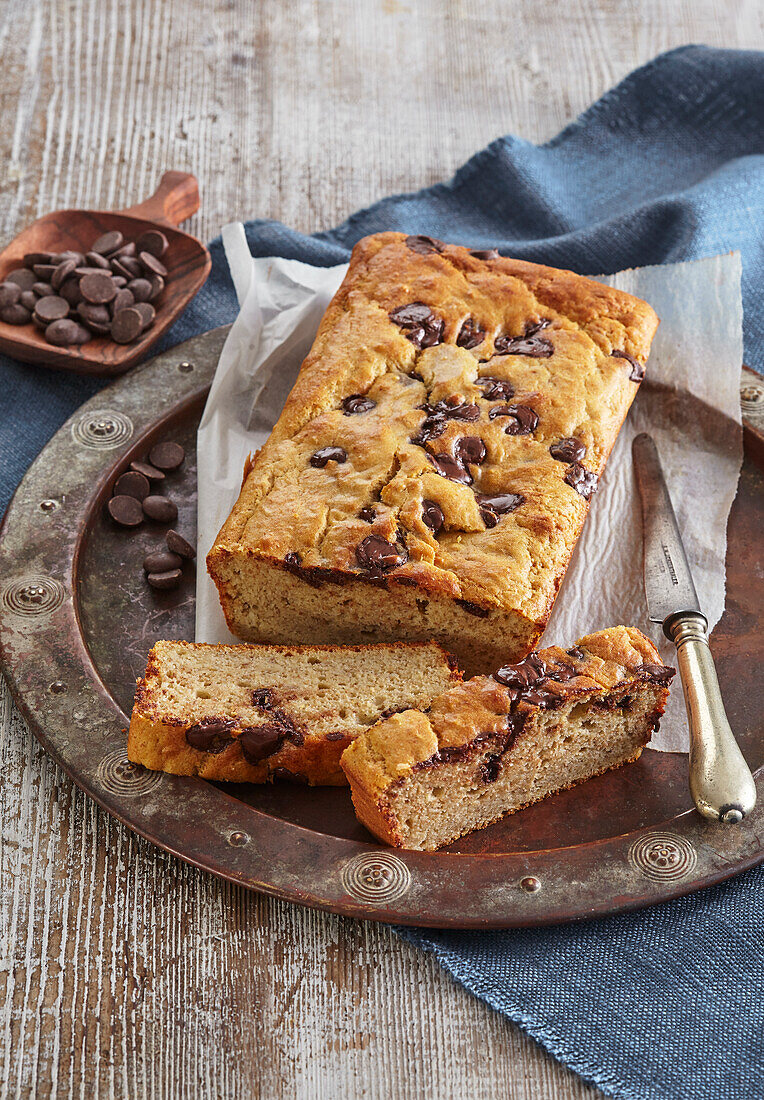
x=124, y=973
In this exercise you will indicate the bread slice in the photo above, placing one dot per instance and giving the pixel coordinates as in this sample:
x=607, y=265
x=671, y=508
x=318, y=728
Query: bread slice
x=252, y=713
x=432, y=468
x=489, y=746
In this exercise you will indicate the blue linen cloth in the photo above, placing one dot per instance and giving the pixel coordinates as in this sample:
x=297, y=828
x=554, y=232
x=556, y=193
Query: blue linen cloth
x=668, y=166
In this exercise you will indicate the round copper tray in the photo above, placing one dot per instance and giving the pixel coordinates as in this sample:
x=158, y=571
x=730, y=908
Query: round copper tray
x=77, y=621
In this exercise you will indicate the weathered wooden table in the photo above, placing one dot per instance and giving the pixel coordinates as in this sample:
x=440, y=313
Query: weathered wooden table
x=123, y=972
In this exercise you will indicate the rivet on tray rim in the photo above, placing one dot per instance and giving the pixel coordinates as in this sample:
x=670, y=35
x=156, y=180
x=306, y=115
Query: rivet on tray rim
x=58, y=687
x=530, y=884
x=751, y=394
x=185, y=367
x=238, y=840
x=48, y=505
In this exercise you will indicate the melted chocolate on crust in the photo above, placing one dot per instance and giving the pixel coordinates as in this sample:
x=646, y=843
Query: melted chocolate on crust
x=655, y=674
x=259, y=742
x=568, y=450
x=582, y=480
x=424, y=245
x=432, y=516
x=474, y=608
x=637, y=372
x=496, y=389
x=211, y=735
x=421, y=326
x=485, y=253
x=357, y=403
x=377, y=555
x=328, y=454
x=470, y=334
x=530, y=344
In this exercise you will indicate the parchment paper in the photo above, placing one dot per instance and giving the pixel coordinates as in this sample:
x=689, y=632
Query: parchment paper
x=689, y=402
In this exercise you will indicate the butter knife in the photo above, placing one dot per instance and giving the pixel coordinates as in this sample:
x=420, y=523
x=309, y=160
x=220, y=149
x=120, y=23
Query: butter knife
x=721, y=783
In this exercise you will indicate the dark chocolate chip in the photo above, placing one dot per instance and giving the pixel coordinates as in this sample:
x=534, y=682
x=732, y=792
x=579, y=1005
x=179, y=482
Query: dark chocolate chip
x=132, y=484
x=22, y=277
x=474, y=609
x=119, y=281
x=157, y=286
x=570, y=449
x=289, y=776
x=70, y=291
x=637, y=372
x=357, y=403
x=140, y=289
x=432, y=516
x=167, y=456
x=62, y=273
x=64, y=332
x=522, y=418
x=530, y=344
x=147, y=312
x=432, y=427
x=425, y=328
x=43, y=290
x=169, y=579
x=655, y=674
x=489, y=768
x=470, y=449
x=582, y=480
x=162, y=561
x=95, y=259
x=491, y=508
x=263, y=698
x=125, y=250
x=148, y=471
x=151, y=264
x=367, y=514
x=451, y=468
x=328, y=454
x=152, y=241
x=33, y=258
x=259, y=742
x=97, y=288
x=179, y=545
x=9, y=294
x=378, y=555
x=453, y=408
x=160, y=508
x=127, y=325
x=108, y=242
x=470, y=334
x=485, y=253
x=577, y=653
x=126, y=266
x=211, y=735
x=15, y=315
x=95, y=317
x=522, y=675
x=51, y=308
x=44, y=271
x=28, y=300
x=422, y=244
x=126, y=511
x=80, y=271
x=123, y=299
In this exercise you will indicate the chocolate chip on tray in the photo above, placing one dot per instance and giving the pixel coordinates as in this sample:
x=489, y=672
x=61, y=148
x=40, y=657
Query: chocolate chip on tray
x=152, y=241
x=95, y=259
x=123, y=299
x=170, y=579
x=147, y=312
x=132, y=484
x=51, y=308
x=151, y=472
x=140, y=289
x=160, y=508
x=22, y=277
x=151, y=264
x=178, y=545
x=166, y=456
x=65, y=332
x=162, y=561
x=126, y=511
x=28, y=300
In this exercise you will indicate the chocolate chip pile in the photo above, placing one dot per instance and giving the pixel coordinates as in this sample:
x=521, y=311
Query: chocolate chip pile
x=134, y=498
x=73, y=296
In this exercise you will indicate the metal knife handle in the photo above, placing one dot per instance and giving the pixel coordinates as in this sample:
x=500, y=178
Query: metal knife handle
x=721, y=783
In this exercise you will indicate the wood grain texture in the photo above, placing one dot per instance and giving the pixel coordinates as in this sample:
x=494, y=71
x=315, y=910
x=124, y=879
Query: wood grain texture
x=123, y=972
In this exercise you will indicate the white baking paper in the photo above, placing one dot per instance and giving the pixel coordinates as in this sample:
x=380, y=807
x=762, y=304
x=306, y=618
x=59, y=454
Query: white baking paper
x=689, y=402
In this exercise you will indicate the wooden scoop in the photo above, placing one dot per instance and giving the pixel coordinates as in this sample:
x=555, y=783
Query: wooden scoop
x=186, y=259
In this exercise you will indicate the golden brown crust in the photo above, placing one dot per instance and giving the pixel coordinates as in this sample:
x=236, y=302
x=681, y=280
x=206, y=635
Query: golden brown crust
x=290, y=507
x=468, y=715
x=157, y=734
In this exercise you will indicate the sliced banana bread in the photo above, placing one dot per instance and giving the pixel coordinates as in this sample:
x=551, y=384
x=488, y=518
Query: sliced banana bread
x=494, y=744
x=255, y=713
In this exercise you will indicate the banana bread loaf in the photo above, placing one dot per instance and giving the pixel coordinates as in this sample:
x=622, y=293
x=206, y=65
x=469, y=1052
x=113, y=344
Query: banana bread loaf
x=433, y=465
x=492, y=745
x=258, y=713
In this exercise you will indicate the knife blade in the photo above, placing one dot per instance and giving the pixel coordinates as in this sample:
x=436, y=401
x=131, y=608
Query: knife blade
x=721, y=783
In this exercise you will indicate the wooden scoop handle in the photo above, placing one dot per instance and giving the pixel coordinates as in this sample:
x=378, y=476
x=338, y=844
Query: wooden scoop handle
x=176, y=199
